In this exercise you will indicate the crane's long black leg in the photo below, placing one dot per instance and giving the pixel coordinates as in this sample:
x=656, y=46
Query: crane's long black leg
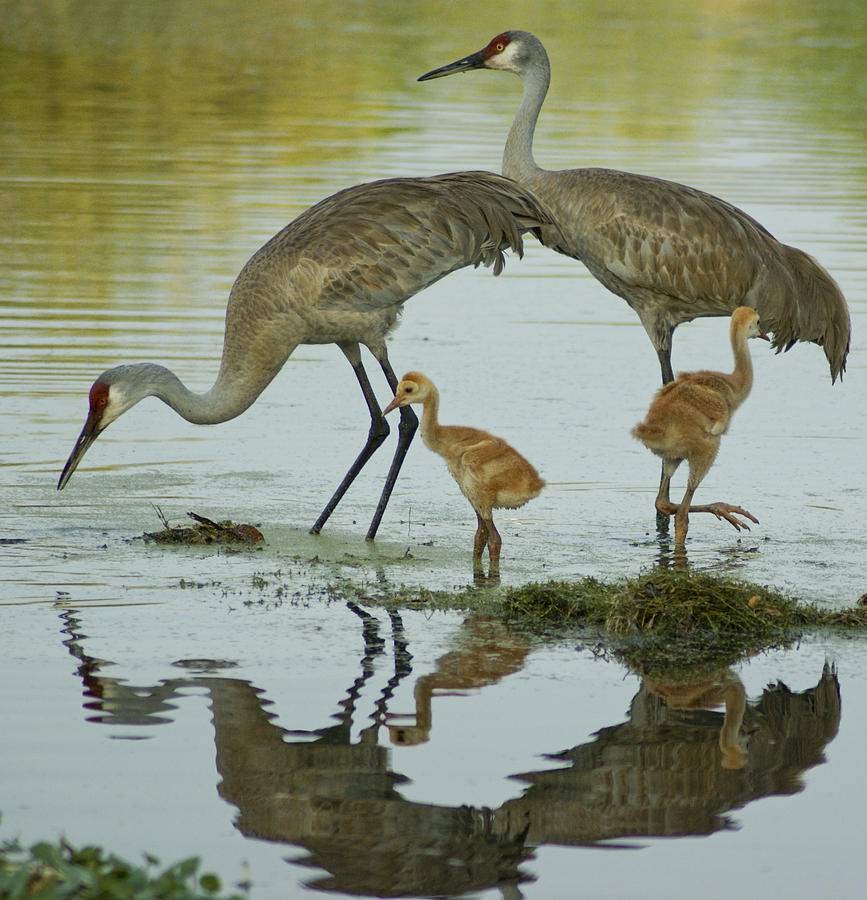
x=664, y=354
x=405, y=432
x=378, y=433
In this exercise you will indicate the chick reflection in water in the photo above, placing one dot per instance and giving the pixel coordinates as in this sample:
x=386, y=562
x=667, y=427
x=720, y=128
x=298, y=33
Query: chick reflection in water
x=490, y=473
x=486, y=651
x=725, y=688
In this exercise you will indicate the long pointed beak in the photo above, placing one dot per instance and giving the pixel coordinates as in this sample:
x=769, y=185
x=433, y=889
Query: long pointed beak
x=473, y=61
x=763, y=336
x=393, y=405
x=88, y=435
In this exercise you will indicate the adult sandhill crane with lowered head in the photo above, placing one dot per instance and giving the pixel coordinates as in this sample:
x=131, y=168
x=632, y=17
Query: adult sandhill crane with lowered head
x=490, y=473
x=688, y=417
x=670, y=251
x=339, y=273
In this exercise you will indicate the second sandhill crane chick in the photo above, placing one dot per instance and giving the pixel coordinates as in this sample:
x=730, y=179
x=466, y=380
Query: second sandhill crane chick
x=490, y=473
x=688, y=417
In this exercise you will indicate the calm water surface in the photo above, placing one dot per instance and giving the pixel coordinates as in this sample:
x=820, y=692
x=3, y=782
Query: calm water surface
x=146, y=151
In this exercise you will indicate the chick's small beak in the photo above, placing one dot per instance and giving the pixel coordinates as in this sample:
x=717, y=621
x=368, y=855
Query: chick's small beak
x=763, y=336
x=393, y=405
x=473, y=61
x=89, y=434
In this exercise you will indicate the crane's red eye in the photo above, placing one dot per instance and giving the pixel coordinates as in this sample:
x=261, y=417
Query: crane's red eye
x=497, y=45
x=99, y=396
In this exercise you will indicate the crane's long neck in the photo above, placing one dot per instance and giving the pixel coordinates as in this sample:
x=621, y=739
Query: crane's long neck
x=229, y=396
x=742, y=377
x=518, y=162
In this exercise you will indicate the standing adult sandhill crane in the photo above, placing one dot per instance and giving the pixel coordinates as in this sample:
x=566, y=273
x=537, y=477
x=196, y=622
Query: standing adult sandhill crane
x=688, y=417
x=490, y=473
x=670, y=251
x=339, y=273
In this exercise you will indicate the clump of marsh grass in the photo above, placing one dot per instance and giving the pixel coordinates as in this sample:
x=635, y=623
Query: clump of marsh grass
x=669, y=603
x=673, y=603
x=666, y=623
x=674, y=623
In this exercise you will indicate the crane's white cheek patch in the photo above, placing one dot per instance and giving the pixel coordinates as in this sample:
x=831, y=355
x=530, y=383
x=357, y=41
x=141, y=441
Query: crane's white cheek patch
x=504, y=60
x=118, y=402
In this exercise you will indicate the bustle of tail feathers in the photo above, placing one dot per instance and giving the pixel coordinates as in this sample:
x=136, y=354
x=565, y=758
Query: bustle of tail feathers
x=810, y=308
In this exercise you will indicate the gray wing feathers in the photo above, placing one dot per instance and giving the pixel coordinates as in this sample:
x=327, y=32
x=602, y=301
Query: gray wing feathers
x=375, y=245
x=697, y=254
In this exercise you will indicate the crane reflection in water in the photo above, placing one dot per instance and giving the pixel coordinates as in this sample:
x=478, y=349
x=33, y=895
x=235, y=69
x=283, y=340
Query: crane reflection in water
x=676, y=766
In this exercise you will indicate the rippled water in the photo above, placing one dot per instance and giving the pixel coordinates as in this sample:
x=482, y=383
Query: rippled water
x=146, y=152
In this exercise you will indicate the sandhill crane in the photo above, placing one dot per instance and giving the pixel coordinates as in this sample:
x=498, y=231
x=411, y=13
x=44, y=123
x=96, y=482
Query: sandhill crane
x=490, y=473
x=670, y=251
x=688, y=417
x=339, y=273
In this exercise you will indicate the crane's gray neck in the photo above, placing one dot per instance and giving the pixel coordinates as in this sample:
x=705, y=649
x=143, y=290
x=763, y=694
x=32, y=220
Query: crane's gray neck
x=518, y=162
x=226, y=399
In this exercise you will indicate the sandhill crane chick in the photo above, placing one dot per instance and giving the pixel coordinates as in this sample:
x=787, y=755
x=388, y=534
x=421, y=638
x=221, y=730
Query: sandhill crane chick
x=490, y=473
x=688, y=417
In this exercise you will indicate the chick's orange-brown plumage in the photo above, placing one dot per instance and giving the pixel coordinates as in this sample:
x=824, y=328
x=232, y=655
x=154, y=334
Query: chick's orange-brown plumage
x=490, y=472
x=688, y=417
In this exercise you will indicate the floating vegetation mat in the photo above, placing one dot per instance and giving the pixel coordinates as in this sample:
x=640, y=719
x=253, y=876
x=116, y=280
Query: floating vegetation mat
x=664, y=602
x=664, y=622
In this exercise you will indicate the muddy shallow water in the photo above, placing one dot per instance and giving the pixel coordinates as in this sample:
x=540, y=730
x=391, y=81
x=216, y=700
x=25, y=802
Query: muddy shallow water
x=220, y=702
